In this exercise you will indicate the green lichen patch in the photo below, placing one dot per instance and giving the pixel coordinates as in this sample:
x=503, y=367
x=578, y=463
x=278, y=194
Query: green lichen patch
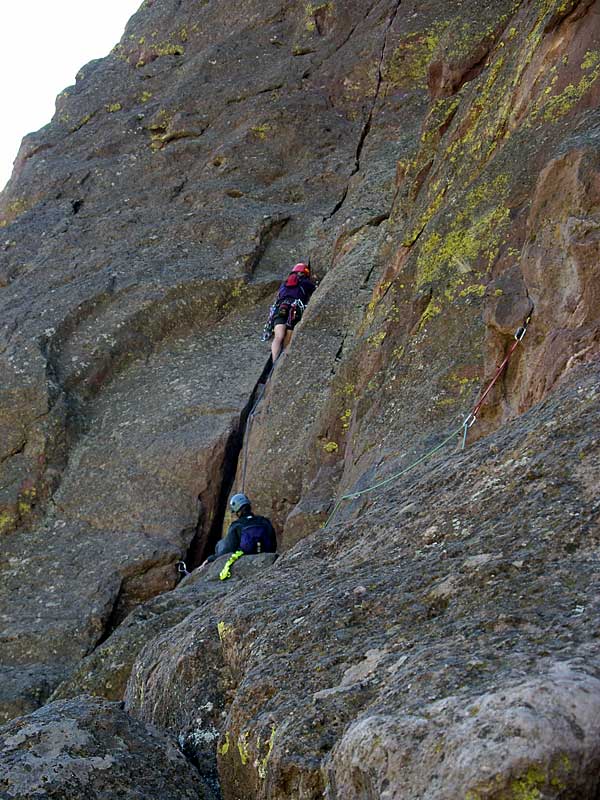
x=224, y=630
x=158, y=50
x=376, y=340
x=159, y=128
x=83, y=121
x=263, y=762
x=14, y=209
x=224, y=748
x=345, y=419
x=378, y=294
x=8, y=522
x=410, y=61
x=168, y=49
x=433, y=309
x=243, y=748
x=312, y=10
x=472, y=240
x=261, y=131
x=529, y=785
x=552, y=107
x=533, y=783
x=425, y=218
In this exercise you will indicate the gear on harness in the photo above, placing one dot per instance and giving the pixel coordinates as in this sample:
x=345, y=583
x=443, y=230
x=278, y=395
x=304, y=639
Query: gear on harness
x=269, y=325
x=295, y=309
x=226, y=571
x=292, y=297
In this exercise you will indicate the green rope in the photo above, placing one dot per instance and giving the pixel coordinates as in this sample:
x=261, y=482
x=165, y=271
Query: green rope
x=355, y=495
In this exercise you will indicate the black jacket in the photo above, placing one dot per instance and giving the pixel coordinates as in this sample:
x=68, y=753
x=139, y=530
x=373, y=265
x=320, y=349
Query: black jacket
x=231, y=542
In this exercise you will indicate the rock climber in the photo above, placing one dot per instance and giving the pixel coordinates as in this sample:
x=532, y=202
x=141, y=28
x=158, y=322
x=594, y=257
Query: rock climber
x=286, y=312
x=249, y=533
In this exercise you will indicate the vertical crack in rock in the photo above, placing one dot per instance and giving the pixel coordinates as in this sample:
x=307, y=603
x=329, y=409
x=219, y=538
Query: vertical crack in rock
x=204, y=541
x=369, y=121
x=367, y=126
x=315, y=66
x=271, y=228
x=113, y=620
x=339, y=204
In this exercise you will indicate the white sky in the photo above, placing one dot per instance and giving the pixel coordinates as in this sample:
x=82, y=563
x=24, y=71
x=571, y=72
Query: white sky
x=43, y=45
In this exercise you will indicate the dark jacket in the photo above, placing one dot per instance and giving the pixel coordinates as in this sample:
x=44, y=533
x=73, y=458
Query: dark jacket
x=232, y=540
x=302, y=291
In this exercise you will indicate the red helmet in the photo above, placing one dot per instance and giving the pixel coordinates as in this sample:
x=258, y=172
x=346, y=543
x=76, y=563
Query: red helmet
x=301, y=268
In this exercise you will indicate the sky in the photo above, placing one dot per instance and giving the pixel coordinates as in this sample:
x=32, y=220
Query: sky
x=43, y=45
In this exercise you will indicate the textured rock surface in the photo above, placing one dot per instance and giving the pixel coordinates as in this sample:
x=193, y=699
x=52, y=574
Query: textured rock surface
x=495, y=213
x=105, y=672
x=87, y=748
x=439, y=163
x=133, y=224
x=443, y=644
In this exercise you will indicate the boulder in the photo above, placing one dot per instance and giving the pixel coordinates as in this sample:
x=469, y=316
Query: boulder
x=88, y=748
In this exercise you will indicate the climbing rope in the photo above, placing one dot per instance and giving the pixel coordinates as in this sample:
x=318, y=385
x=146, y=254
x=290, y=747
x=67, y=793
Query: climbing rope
x=468, y=422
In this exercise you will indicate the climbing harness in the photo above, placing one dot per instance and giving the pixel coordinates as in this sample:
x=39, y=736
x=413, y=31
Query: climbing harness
x=295, y=309
x=182, y=569
x=226, y=571
x=269, y=326
x=468, y=422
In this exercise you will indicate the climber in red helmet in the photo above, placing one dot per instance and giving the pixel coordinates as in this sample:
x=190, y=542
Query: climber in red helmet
x=286, y=312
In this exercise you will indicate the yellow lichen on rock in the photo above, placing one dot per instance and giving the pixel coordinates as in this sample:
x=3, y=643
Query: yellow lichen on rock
x=7, y=522
x=410, y=61
x=224, y=630
x=473, y=239
x=263, y=762
x=560, y=104
x=243, y=749
x=14, y=210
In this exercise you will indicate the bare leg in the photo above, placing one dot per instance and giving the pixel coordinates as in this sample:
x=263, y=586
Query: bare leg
x=277, y=344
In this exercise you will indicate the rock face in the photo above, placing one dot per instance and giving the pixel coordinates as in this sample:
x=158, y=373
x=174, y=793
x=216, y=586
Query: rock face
x=105, y=672
x=439, y=163
x=443, y=644
x=88, y=748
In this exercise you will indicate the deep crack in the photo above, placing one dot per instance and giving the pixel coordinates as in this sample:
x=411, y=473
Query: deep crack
x=367, y=126
x=204, y=541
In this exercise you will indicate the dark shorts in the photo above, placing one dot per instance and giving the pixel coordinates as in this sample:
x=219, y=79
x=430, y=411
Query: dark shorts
x=282, y=317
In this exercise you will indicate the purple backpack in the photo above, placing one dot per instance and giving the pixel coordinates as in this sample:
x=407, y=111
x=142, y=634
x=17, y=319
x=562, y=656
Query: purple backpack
x=257, y=537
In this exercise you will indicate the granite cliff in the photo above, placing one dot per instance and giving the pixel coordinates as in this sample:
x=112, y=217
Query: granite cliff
x=439, y=163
